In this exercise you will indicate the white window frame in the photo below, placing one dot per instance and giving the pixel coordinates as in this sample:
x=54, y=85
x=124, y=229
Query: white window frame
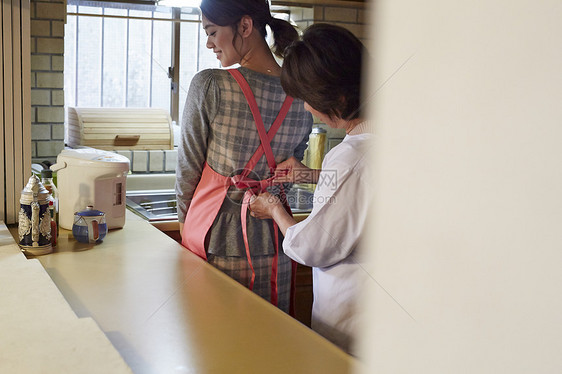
x=173, y=69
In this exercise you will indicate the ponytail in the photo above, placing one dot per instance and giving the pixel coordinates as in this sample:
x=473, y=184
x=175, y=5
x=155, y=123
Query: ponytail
x=283, y=35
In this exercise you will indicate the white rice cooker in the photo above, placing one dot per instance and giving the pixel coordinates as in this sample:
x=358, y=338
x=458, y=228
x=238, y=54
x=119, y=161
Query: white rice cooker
x=89, y=176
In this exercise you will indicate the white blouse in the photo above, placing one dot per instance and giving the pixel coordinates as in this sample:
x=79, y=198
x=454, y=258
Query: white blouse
x=328, y=239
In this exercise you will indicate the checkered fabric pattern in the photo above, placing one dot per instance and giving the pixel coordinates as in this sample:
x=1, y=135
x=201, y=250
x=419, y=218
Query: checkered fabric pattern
x=233, y=137
x=239, y=269
x=218, y=128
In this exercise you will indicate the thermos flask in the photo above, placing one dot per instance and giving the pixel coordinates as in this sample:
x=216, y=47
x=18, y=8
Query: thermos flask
x=34, y=220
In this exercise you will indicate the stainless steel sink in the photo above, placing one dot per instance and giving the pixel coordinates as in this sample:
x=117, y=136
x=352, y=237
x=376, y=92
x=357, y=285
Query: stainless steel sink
x=153, y=205
x=160, y=205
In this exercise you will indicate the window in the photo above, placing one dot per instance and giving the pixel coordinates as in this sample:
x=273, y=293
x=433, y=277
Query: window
x=120, y=55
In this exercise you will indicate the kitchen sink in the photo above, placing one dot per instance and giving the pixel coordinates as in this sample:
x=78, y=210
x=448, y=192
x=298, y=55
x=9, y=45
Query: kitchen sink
x=153, y=205
x=160, y=205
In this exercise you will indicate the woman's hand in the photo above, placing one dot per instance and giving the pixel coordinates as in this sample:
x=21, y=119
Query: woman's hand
x=293, y=171
x=263, y=205
x=266, y=206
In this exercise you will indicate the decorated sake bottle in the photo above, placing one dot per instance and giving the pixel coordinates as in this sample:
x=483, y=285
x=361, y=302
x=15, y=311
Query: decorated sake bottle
x=34, y=219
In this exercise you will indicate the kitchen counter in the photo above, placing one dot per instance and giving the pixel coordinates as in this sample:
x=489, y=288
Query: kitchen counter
x=40, y=332
x=167, y=311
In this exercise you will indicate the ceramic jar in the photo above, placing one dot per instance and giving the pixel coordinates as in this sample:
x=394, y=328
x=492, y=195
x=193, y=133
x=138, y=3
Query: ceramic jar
x=34, y=219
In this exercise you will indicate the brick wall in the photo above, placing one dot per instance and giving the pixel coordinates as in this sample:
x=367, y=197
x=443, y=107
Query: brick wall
x=47, y=79
x=355, y=18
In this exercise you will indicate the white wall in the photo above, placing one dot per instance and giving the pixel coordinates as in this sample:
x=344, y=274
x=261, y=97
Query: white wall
x=467, y=231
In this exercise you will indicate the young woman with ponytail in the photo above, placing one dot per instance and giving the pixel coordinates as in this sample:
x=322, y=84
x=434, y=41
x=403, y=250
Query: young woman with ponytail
x=237, y=125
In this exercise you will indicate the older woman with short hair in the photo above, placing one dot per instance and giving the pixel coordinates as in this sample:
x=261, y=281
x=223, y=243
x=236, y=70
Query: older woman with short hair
x=324, y=70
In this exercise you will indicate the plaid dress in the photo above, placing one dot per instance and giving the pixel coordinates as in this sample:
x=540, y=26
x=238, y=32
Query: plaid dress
x=218, y=128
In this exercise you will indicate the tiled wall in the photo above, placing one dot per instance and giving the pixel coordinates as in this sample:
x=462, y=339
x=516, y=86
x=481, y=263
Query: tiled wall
x=47, y=79
x=152, y=161
x=352, y=17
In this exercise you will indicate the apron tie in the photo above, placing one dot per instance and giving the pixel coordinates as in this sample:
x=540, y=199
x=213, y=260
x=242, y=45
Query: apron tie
x=257, y=186
x=254, y=187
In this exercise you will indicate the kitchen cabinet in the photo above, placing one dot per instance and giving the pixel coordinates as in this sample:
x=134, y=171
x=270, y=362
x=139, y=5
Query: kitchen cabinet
x=303, y=294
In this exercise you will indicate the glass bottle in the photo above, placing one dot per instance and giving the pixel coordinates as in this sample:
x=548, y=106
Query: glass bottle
x=54, y=227
x=47, y=181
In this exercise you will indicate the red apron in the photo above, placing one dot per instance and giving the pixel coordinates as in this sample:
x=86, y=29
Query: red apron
x=212, y=188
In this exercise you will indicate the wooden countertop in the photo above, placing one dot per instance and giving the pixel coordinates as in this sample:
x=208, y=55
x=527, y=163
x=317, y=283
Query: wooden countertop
x=165, y=310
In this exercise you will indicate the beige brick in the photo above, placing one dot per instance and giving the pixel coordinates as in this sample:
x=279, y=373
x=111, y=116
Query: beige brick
x=156, y=160
x=40, y=132
x=33, y=115
x=50, y=45
x=33, y=48
x=33, y=79
x=355, y=29
x=308, y=13
x=40, y=62
x=40, y=97
x=57, y=63
x=57, y=97
x=50, y=11
x=49, y=148
x=171, y=159
x=340, y=14
x=366, y=33
x=140, y=161
x=296, y=13
x=300, y=13
x=50, y=80
x=318, y=13
x=58, y=28
x=40, y=28
x=33, y=151
x=365, y=16
x=50, y=114
x=57, y=131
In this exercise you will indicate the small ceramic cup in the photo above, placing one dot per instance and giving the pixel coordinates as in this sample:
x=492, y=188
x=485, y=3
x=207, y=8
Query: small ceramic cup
x=89, y=226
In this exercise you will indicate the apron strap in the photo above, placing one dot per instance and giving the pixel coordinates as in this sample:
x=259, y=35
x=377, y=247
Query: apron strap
x=270, y=135
x=259, y=186
x=265, y=138
x=274, y=266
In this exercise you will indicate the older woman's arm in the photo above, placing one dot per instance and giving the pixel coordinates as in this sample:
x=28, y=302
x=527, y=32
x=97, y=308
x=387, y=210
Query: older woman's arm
x=341, y=202
x=268, y=206
x=333, y=229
